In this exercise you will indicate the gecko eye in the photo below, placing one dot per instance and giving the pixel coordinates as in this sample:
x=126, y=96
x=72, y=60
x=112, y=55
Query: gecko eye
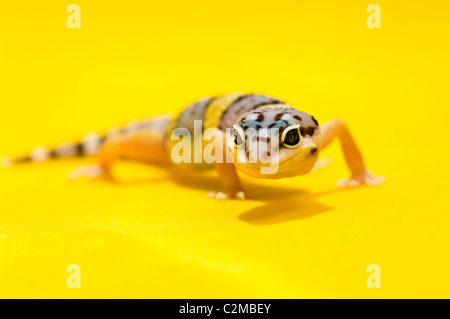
x=238, y=135
x=291, y=136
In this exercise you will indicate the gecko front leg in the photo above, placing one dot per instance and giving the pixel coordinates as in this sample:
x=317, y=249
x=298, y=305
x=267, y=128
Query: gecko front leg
x=360, y=174
x=232, y=187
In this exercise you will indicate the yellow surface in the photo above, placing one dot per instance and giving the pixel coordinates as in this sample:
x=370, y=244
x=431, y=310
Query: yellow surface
x=154, y=236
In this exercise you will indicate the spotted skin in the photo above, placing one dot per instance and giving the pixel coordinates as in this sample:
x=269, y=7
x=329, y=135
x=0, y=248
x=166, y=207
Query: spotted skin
x=242, y=105
x=195, y=111
x=275, y=119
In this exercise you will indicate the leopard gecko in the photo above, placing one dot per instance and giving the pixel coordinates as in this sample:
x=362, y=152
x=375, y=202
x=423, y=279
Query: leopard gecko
x=298, y=138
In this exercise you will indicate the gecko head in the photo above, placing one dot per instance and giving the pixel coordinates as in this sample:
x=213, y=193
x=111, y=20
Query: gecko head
x=274, y=142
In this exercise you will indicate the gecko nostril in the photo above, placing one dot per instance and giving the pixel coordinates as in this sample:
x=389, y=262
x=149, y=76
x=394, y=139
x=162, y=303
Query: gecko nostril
x=313, y=150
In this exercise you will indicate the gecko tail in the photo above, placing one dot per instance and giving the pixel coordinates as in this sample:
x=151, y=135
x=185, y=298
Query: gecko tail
x=89, y=145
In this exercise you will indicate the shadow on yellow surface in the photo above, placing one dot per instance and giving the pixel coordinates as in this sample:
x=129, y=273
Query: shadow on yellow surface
x=284, y=205
x=281, y=204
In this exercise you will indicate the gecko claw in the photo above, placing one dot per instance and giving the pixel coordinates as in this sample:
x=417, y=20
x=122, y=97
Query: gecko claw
x=365, y=178
x=240, y=195
x=231, y=195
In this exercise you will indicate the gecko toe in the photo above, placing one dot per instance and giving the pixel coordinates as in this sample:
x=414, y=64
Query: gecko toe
x=221, y=195
x=240, y=195
x=78, y=172
x=342, y=182
x=365, y=178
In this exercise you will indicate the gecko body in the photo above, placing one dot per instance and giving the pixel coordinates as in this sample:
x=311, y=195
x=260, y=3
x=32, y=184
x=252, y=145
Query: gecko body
x=261, y=129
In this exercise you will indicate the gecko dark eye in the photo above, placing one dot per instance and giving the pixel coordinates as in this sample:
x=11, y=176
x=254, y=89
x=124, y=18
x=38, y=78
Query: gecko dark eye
x=238, y=134
x=291, y=136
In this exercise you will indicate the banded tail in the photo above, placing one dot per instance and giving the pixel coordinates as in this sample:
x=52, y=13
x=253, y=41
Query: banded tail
x=91, y=143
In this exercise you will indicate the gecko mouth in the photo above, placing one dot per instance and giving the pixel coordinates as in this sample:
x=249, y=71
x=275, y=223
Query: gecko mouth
x=305, y=153
x=296, y=156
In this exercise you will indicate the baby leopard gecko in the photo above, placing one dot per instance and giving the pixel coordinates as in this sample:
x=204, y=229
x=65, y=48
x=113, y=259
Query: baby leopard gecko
x=298, y=138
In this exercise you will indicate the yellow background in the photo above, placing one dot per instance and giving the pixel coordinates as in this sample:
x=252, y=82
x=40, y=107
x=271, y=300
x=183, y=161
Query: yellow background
x=156, y=236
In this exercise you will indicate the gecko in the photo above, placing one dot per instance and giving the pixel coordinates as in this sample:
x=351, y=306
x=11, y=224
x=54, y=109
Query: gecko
x=297, y=135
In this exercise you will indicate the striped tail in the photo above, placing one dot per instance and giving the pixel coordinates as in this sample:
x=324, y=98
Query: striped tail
x=90, y=144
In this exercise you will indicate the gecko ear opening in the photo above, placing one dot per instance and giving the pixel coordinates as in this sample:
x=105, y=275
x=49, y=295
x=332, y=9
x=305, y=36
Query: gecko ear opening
x=238, y=135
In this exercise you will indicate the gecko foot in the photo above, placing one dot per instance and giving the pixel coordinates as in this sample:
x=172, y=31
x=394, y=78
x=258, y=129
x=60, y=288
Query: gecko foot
x=228, y=195
x=92, y=172
x=365, y=178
